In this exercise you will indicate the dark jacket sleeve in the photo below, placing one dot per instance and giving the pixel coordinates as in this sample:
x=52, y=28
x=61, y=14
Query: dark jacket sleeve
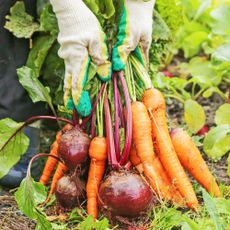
x=14, y=100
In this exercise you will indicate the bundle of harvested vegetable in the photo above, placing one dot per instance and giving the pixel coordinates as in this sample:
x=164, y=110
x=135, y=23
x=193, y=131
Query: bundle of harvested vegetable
x=154, y=108
x=98, y=155
x=51, y=163
x=191, y=159
x=71, y=146
x=142, y=151
x=123, y=193
x=53, y=156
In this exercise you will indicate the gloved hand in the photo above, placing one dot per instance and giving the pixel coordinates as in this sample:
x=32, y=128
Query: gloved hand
x=135, y=32
x=82, y=40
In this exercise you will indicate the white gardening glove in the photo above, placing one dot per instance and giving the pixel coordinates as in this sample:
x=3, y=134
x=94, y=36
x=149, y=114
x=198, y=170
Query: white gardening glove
x=135, y=32
x=82, y=40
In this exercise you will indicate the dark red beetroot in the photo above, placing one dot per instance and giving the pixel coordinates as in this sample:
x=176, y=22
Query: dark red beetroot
x=73, y=147
x=167, y=74
x=124, y=193
x=69, y=191
x=203, y=130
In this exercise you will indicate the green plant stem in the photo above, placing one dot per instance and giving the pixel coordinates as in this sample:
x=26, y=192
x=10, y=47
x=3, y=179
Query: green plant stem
x=222, y=95
x=100, y=132
x=30, y=121
x=199, y=93
x=176, y=93
x=175, y=97
x=99, y=111
x=98, y=119
x=139, y=91
x=132, y=81
x=141, y=72
x=128, y=78
x=193, y=90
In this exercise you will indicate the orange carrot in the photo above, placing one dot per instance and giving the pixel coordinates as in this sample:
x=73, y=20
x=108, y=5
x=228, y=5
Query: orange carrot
x=155, y=103
x=135, y=160
x=176, y=196
x=59, y=173
x=191, y=159
x=98, y=155
x=51, y=161
x=144, y=146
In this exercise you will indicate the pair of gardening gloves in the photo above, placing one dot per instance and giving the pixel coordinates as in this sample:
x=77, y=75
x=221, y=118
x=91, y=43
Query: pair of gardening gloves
x=82, y=41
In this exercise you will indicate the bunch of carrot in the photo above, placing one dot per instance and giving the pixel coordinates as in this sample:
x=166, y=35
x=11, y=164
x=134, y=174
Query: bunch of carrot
x=161, y=157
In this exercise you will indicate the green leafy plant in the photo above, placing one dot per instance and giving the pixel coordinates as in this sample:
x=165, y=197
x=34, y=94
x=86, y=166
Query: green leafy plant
x=213, y=214
x=20, y=23
x=217, y=140
x=9, y=153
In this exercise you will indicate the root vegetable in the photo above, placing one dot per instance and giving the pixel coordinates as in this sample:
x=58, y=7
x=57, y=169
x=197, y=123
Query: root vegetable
x=192, y=160
x=59, y=173
x=124, y=193
x=155, y=103
x=142, y=138
x=203, y=130
x=51, y=161
x=98, y=155
x=175, y=195
x=69, y=192
x=73, y=148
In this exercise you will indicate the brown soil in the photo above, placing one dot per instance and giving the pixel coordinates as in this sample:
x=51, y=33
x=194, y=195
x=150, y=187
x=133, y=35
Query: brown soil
x=10, y=217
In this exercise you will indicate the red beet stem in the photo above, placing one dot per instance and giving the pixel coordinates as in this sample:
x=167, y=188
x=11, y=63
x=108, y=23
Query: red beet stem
x=38, y=156
x=33, y=119
x=128, y=136
x=75, y=118
x=109, y=135
x=116, y=119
